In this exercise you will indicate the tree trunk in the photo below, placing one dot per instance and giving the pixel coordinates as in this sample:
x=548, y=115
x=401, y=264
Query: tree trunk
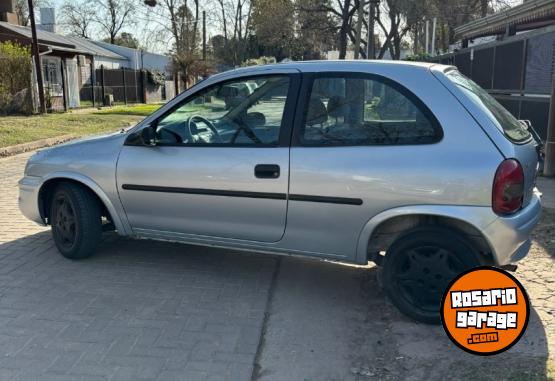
x=416, y=36
x=396, y=48
x=484, y=7
x=240, y=20
x=237, y=21
x=224, y=21
x=360, y=15
x=344, y=30
x=444, y=42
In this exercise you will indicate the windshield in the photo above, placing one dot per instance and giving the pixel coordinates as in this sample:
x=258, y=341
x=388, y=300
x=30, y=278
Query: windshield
x=513, y=129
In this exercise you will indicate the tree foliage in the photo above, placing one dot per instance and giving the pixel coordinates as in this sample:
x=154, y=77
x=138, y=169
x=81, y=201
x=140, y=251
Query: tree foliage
x=113, y=15
x=15, y=79
x=78, y=18
x=273, y=25
x=125, y=39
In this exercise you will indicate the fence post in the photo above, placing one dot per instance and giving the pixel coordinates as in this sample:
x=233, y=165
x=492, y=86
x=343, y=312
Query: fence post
x=549, y=164
x=143, y=87
x=102, y=85
x=93, y=82
x=124, y=85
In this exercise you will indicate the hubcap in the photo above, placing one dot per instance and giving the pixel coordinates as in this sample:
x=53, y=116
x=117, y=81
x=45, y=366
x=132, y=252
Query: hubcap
x=65, y=222
x=424, y=273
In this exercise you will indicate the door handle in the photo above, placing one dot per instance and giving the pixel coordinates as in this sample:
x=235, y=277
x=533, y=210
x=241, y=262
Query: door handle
x=267, y=171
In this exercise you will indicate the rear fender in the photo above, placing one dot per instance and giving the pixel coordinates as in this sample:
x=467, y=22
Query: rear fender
x=477, y=216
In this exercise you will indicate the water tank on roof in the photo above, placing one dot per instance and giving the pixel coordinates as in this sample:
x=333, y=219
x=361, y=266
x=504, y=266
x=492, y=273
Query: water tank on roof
x=48, y=19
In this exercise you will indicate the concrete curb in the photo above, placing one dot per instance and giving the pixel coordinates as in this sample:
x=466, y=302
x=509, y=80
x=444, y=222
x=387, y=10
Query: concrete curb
x=25, y=147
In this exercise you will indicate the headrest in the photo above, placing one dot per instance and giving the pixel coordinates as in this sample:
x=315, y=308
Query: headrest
x=337, y=107
x=317, y=113
x=256, y=119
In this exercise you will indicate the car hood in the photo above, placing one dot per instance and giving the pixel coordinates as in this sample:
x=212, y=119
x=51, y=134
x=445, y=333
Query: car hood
x=89, y=140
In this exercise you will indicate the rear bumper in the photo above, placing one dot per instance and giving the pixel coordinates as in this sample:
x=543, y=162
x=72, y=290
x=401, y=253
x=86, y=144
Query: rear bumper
x=29, y=198
x=509, y=237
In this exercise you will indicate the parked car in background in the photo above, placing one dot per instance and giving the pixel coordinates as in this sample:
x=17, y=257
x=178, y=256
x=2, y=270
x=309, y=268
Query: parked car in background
x=409, y=165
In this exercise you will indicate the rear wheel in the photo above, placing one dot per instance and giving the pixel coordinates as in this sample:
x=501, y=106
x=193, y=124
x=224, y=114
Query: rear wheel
x=419, y=266
x=76, y=220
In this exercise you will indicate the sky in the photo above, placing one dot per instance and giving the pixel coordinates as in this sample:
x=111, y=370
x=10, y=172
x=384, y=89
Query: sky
x=150, y=32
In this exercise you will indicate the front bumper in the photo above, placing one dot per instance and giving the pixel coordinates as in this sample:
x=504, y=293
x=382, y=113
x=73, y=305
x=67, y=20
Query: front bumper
x=509, y=237
x=29, y=187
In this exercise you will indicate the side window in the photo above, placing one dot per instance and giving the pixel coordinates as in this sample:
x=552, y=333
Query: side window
x=242, y=112
x=363, y=111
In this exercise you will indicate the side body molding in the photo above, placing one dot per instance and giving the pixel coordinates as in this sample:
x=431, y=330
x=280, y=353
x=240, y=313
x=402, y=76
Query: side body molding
x=116, y=211
x=478, y=216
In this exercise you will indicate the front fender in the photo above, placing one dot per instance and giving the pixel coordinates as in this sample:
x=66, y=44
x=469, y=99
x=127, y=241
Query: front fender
x=478, y=216
x=121, y=225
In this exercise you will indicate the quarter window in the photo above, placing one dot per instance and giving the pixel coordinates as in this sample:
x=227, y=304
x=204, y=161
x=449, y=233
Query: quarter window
x=241, y=112
x=362, y=111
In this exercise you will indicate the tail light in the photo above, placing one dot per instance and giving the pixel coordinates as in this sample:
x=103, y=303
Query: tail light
x=508, y=187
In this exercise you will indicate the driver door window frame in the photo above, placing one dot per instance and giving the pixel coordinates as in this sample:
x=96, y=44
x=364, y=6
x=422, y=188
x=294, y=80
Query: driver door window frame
x=287, y=120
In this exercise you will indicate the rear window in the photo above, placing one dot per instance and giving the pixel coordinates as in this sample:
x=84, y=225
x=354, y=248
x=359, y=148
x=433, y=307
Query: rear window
x=513, y=129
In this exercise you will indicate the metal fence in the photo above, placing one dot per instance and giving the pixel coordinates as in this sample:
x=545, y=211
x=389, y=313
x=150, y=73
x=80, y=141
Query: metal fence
x=517, y=71
x=124, y=85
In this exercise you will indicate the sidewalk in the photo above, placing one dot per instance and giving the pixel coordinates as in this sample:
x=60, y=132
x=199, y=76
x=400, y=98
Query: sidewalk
x=546, y=185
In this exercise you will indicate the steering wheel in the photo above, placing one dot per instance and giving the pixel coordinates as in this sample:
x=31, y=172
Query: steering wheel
x=208, y=124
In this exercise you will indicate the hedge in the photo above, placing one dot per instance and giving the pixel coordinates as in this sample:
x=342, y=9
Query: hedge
x=15, y=79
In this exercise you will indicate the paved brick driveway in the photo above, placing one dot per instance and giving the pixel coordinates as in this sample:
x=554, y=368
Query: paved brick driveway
x=138, y=310
x=146, y=310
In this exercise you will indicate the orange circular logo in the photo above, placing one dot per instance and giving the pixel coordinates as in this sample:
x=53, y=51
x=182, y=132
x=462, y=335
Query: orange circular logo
x=485, y=310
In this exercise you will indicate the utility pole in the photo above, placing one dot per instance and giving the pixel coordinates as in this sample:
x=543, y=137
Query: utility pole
x=204, y=36
x=36, y=55
x=549, y=163
x=371, y=49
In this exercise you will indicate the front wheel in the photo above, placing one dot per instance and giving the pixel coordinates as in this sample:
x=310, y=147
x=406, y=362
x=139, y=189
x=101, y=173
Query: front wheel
x=76, y=220
x=419, y=266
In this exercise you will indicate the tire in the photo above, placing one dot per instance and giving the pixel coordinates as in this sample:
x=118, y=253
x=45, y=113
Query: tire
x=419, y=266
x=76, y=220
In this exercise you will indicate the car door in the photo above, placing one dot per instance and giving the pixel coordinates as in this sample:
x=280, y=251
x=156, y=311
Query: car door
x=219, y=165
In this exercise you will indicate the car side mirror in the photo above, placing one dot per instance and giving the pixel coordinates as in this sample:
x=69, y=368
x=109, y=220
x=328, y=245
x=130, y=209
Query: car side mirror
x=144, y=137
x=148, y=136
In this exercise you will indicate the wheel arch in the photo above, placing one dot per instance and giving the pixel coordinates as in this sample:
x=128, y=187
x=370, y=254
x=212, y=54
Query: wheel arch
x=382, y=230
x=49, y=183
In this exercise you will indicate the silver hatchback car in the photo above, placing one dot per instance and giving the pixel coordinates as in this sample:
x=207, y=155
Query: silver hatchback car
x=409, y=165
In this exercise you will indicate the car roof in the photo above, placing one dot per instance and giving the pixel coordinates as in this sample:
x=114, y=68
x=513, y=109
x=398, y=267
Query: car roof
x=334, y=65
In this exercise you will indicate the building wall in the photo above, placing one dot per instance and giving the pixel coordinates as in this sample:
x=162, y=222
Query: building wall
x=109, y=63
x=138, y=59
